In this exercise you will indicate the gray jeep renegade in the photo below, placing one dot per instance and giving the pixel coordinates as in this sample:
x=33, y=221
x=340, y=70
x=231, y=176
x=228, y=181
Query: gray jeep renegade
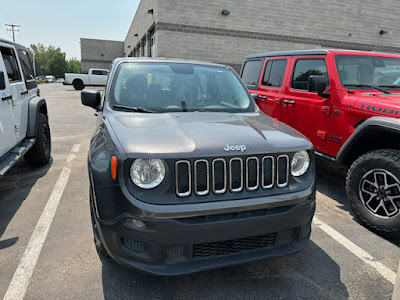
x=187, y=174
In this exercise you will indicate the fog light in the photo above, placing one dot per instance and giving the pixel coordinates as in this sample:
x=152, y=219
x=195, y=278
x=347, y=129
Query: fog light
x=135, y=223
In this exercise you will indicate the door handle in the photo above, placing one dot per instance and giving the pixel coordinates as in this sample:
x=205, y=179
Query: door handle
x=289, y=102
x=24, y=92
x=6, y=97
x=262, y=97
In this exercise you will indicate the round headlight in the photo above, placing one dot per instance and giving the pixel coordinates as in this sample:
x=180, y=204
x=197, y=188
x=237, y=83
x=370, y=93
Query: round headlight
x=147, y=173
x=300, y=163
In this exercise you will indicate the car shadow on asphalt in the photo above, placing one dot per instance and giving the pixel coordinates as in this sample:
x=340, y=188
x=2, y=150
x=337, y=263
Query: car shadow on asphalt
x=309, y=274
x=15, y=187
x=331, y=182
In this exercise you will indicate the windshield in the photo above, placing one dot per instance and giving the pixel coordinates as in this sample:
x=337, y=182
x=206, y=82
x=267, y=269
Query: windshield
x=177, y=87
x=365, y=71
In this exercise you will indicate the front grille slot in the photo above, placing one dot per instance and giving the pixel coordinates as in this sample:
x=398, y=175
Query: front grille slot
x=183, y=178
x=268, y=171
x=236, y=174
x=201, y=177
x=233, y=246
x=219, y=175
x=252, y=173
x=283, y=170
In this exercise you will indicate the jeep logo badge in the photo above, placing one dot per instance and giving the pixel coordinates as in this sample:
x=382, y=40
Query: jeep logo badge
x=235, y=148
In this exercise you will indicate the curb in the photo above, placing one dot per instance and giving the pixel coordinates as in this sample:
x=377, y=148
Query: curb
x=396, y=291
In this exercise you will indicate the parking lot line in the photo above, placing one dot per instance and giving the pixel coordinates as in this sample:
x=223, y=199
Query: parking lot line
x=357, y=251
x=20, y=281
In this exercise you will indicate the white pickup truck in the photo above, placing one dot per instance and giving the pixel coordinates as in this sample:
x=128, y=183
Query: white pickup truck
x=79, y=81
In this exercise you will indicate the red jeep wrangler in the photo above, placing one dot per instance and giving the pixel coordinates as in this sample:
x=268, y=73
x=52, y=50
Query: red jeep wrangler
x=348, y=104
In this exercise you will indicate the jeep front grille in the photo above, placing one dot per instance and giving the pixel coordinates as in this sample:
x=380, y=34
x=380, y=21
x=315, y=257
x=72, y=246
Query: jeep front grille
x=236, y=174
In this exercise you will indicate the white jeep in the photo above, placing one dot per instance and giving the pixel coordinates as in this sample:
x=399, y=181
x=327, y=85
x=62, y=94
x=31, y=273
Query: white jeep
x=24, y=127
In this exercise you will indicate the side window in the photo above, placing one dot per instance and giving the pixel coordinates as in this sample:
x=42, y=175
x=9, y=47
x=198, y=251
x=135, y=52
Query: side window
x=104, y=73
x=251, y=73
x=11, y=64
x=97, y=72
x=26, y=64
x=306, y=67
x=274, y=73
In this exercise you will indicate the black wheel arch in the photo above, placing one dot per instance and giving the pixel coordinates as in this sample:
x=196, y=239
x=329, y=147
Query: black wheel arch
x=372, y=134
x=36, y=106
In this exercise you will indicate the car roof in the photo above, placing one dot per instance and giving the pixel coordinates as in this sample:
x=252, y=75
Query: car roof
x=165, y=60
x=311, y=52
x=19, y=46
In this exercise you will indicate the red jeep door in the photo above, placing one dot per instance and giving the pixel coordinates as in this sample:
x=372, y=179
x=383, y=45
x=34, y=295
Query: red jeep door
x=305, y=111
x=270, y=89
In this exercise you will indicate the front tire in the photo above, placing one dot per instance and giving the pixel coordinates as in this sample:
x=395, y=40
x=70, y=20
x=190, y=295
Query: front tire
x=373, y=190
x=40, y=152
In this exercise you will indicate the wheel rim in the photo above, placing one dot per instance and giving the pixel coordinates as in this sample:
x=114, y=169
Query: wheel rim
x=380, y=192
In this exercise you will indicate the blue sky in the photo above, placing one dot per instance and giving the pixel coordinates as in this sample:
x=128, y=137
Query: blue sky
x=63, y=23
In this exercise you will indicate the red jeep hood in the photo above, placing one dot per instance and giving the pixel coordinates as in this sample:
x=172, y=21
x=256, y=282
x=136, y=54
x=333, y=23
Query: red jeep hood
x=379, y=103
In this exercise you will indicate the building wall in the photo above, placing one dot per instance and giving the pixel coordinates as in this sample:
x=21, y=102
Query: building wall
x=212, y=48
x=141, y=24
x=99, y=53
x=198, y=30
x=306, y=19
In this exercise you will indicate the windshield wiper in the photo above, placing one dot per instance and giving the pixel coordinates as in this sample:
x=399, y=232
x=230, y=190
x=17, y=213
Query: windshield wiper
x=391, y=86
x=134, y=108
x=369, y=86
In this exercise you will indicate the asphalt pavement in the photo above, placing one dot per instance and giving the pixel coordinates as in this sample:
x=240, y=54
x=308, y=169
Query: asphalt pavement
x=47, y=250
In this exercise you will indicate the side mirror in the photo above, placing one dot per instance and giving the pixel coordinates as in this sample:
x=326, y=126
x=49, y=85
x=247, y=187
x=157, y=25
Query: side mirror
x=256, y=97
x=91, y=98
x=318, y=83
x=2, y=81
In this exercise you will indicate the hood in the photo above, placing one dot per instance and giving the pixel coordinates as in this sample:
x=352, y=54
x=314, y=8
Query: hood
x=379, y=103
x=203, y=134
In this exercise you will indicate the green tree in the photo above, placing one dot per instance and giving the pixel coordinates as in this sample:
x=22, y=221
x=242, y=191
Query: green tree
x=51, y=61
x=73, y=66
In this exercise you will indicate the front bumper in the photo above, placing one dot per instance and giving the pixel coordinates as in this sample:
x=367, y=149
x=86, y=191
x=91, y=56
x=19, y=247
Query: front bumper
x=191, y=243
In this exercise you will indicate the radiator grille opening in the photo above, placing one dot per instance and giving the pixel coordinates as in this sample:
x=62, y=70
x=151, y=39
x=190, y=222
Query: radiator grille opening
x=268, y=170
x=201, y=177
x=183, y=178
x=283, y=170
x=252, y=173
x=236, y=174
x=219, y=176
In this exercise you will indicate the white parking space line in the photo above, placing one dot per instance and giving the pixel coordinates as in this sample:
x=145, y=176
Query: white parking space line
x=23, y=274
x=357, y=251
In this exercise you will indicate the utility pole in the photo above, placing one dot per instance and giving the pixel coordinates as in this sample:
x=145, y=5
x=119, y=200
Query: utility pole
x=13, y=29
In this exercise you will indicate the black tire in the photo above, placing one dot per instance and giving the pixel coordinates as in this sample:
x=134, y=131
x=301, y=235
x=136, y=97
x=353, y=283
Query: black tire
x=101, y=250
x=78, y=85
x=372, y=187
x=40, y=152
